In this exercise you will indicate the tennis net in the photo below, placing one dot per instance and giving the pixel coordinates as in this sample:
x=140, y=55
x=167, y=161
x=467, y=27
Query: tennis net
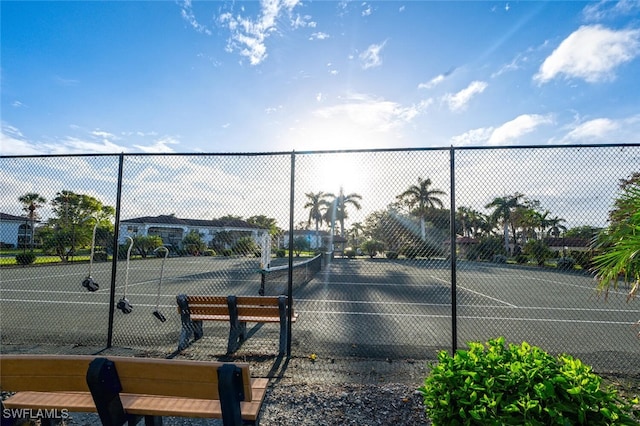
x=275, y=280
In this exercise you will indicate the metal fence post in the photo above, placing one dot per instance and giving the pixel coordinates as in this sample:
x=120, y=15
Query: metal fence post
x=114, y=261
x=290, y=276
x=452, y=254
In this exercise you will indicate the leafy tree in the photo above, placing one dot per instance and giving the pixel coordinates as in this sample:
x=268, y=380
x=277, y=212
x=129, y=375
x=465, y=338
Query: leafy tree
x=300, y=244
x=230, y=218
x=245, y=246
x=420, y=198
x=222, y=240
x=193, y=243
x=265, y=222
x=71, y=224
x=539, y=250
x=585, y=232
x=145, y=244
x=372, y=247
x=31, y=202
x=620, y=243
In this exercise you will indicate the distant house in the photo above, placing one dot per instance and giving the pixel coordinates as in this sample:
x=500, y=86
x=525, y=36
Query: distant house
x=568, y=244
x=315, y=240
x=172, y=229
x=15, y=231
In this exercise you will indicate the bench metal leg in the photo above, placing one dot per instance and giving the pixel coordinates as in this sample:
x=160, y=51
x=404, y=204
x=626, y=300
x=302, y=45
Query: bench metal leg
x=237, y=329
x=231, y=391
x=284, y=319
x=105, y=387
x=188, y=327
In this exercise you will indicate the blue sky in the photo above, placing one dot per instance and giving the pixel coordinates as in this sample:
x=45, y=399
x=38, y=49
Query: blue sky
x=279, y=75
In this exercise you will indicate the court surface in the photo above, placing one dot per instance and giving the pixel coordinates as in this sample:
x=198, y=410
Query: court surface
x=353, y=307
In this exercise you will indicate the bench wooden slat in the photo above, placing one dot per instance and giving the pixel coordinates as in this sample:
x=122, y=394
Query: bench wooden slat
x=154, y=387
x=140, y=404
x=238, y=311
x=72, y=401
x=44, y=373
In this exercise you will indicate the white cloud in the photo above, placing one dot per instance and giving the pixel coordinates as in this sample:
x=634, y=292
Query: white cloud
x=604, y=130
x=160, y=145
x=366, y=9
x=459, y=101
x=319, y=36
x=371, y=113
x=432, y=83
x=590, y=53
x=248, y=36
x=593, y=130
x=510, y=131
x=13, y=142
x=474, y=137
x=370, y=58
x=507, y=133
x=187, y=14
x=606, y=9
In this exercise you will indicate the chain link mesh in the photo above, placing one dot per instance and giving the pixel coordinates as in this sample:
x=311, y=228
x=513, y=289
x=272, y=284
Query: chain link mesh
x=380, y=221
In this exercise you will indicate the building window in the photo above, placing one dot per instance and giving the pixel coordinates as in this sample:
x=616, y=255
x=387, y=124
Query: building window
x=132, y=229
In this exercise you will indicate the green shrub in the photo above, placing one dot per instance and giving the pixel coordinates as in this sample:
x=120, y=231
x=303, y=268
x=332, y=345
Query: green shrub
x=514, y=385
x=100, y=256
x=209, y=252
x=583, y=258
x=350, y=253
x=499, y=258
x=391, y=254
x=522, y=258
x=539, y=250
x=227, y=252
x=372, y=247
x=486, y=249
x=566, y=263
x=281, y=253
x=25, y=258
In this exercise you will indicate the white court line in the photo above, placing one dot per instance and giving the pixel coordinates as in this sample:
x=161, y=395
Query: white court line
x=539, y=308
x=382, y=314
x=68, y=302
x=476, y=292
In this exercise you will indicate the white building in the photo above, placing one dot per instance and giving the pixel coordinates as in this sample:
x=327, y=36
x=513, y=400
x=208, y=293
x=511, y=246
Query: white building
x=15, y=230
x=172, y=229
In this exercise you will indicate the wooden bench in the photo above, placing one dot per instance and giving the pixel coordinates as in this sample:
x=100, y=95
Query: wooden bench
x=238, y=310
x=122, y=389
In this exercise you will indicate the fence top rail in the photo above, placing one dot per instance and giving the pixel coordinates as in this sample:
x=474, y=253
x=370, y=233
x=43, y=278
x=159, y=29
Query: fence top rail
x=319, y=152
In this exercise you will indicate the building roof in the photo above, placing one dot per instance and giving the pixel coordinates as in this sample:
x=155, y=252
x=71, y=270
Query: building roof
x=4, y=217
x=172, y=220
x=567, y=242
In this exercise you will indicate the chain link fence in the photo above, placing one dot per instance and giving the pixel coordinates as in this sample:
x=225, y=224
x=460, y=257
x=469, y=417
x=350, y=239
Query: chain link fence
x=422, y=249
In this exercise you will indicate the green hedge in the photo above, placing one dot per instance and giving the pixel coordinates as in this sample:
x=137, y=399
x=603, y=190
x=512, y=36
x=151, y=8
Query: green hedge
x=518, y=385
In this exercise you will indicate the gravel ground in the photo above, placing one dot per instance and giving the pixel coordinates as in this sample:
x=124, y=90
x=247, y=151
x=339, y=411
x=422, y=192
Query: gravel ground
x=317, y=392
x=330, y=392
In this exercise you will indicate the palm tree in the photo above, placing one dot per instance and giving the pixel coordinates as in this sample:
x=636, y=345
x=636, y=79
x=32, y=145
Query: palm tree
x=555, y=229
x=339, y=207
x=420, y=198
x=316, y=204
x=32, y=202
x=502, y=213
x=355, y=231
x=542, y=221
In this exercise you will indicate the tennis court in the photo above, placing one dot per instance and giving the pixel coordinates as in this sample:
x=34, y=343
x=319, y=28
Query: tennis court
x=353, y=307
